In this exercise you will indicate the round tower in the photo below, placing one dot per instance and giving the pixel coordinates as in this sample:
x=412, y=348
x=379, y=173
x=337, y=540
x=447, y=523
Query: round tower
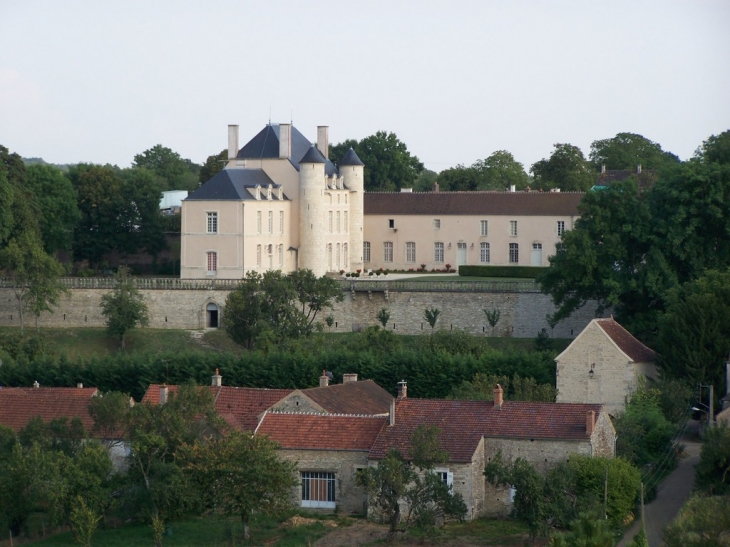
x=352, y=171
x=312, y=212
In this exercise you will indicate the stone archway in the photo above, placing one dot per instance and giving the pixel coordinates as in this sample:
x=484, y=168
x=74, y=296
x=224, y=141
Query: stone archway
x=212, y=315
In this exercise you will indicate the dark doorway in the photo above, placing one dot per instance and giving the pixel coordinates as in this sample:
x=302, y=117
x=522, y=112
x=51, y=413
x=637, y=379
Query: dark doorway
x=212, y=313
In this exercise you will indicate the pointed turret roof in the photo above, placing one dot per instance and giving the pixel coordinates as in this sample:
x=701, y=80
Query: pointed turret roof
x=351, y=158
x=313, y=156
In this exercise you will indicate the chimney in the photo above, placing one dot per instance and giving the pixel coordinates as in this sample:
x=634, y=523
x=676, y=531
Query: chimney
x=346, y=378
x=638, y=169
x=216, y=379
x=163, y=394
x=512, y=188
x=590, y=422
x=323, y=140
x=36, y=384
x=603, y=168
x=402, y=389
x=232, y=141
x=284, y=140
x=80, y=386
x=324, y=380
x=392, y=412
x=435, y=187
x=498, y=396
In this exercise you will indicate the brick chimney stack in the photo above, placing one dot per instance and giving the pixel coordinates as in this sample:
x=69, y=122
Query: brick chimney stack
x=163, y=394
x=324, y=380
x=402, y=389
x=351, y=377
x=216, y=379
x=498, y=396
x=590, y=422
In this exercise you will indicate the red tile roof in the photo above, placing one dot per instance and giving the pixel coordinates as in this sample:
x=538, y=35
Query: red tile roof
x=19, y=405
x=321, y=431
x=472, y=203
x=464, y=423
x=239, y=406
x=637, y=351
x=363, y=397
x=645, y=179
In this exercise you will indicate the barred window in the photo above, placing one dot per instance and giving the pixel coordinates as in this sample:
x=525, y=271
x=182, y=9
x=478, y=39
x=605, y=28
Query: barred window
x=484, y=253
x=318, y=489
x=366, y=251
x=212, y=263
x=514, y=253
x=561, y=227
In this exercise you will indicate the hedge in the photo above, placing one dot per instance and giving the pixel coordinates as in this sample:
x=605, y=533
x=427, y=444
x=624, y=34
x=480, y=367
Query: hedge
x=527, y=272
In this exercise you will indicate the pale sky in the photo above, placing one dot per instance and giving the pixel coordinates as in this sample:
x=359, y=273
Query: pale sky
x=100, y=81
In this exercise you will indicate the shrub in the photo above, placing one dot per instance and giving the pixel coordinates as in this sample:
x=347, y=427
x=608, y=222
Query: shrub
x=527, y=272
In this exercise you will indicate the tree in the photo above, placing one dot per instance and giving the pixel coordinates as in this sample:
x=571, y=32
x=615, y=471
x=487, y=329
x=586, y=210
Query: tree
x=213, y=165
x=587, y=531
x=175, y=172
x=239, y=474
x=425, y=181
x=431, y=315
x=702, y=522
x=493, y=316
x=56, y=199
x=566, y=168
x=716, y=149
x=315, y=293
x=83, y=521
x=497, y=172
x=142, y=224
x=627, y=151
x=713, y=471
x=124, y=308
x=426, y=498
x=389, y=165
x=383, y=316
x=110, y=413
x=12, y=192
x=34, y=275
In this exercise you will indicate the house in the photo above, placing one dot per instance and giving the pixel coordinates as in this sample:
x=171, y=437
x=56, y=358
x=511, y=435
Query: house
x=18, y=405
x=281, y=204
x=645, y=178
x=603, y=365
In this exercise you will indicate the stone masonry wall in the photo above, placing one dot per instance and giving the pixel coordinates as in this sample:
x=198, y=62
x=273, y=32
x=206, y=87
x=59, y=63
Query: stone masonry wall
x=522, y=314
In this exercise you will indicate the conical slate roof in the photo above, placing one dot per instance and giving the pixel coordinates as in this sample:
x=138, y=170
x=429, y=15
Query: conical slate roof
x=351, y=158
x=313, y=156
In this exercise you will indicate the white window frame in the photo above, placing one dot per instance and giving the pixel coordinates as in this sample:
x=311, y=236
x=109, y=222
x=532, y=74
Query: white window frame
x=337, y=256
x=258, y=221
x=411, y=252
x=258, y=256
x=281, y=222
x=315, y=490
x=212, y=227
x=330, y=221
x=445, y=475
x=329, y=257
x=513, y=228
x=438, y=252
x=484, y=253
x=281, y=256
x=345, y=257
x=387, y=251
x=561, y=227
x=514, y=253
x=338, y=222
x=211, y=263
x=347, y=228
x=271, y=222
x=483, y=228
x=366, y=251
x=437, y=224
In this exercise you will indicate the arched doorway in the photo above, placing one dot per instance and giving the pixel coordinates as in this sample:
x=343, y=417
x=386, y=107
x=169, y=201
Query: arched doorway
x=211, y=316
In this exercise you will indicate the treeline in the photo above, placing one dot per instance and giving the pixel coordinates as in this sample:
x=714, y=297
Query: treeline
x=429, y=374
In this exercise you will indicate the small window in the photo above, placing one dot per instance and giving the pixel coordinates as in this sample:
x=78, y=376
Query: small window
x=388, y=251
x=329, y=257
x=391, y=223
x=484, y=253
x=212, y=223
x=258, y=222
x=366, y=251
x=281, y=256
x=561, y=227
x=337, y=256
x=281, y=222
x=513, y=227
x=437, y=224
x=318, y=489
x=438, y=252
x=410, y=251
x=212, y=263
x=330, y=221
x=345, y=258
x=258, y=256
x=338, y=222
x=483, y=228
x=445, y=476
x=514, y=253
x=271, y=222
x=345, y=220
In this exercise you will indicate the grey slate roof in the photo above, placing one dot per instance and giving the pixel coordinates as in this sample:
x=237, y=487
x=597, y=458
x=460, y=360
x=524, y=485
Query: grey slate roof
x=232, y=184
x=473, y=203
x=313, y=156
x=265, y=145
x=351, y=158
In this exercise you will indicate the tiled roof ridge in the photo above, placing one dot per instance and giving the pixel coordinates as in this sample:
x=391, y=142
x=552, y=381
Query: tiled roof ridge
x=329, y=414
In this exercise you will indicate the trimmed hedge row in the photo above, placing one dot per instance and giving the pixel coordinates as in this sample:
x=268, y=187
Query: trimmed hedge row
x=528, y=272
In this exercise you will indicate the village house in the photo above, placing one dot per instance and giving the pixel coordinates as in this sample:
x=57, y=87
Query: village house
x=603, y=365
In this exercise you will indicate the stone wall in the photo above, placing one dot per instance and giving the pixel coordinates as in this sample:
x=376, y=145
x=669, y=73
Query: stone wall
x=522, y=313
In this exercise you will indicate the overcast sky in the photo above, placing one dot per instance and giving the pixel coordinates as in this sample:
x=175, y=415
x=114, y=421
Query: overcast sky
x=456, y=80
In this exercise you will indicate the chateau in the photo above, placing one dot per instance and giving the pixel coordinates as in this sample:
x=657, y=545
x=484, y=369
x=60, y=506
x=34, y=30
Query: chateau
x=281, y=204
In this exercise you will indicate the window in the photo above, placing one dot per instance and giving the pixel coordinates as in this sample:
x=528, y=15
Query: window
x=484, y=227
x=281, y=222
x=445, y=476
x=366, y=251
x=318, y=489
x=281, y=256
x=271, y=222
x=391, y=223
x=337, y=256
x=410, y=251
x=484, y=253
x=438, y=252
x=212, y=263
x=437, y=224
x=338, y=222
x=514, y=253
x=329, y=257
x=330, y=221
x=258, y=222
x=513, y=227
x=561, y=227
x=212, y=223
x=345, y=258
x=345, y=220
x=388, y=251
x=258, y=256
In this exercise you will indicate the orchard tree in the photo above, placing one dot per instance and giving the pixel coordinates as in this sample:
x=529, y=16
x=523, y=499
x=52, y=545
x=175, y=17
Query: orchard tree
x=566, y=168
x=627, y=151
x=124, y=308
x=389, y=165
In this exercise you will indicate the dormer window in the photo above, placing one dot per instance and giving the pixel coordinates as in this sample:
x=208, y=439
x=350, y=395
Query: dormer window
x=268, y=192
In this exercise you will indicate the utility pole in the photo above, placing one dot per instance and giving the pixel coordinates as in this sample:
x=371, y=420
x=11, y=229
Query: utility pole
x=643, y=522
x=605, y=495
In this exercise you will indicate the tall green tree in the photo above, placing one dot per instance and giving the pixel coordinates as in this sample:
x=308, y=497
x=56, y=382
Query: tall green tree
x=702, y=522
x=389, y=165
x=566, y=168
x=240, y=474
x=715, y=149
x=499, y=171
x=315, y=293
x=713, y=471
x=56, y=198
x=629, y=150
x=175, y=173
x=142, y=224
x=213, y=165
x=124, y=307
